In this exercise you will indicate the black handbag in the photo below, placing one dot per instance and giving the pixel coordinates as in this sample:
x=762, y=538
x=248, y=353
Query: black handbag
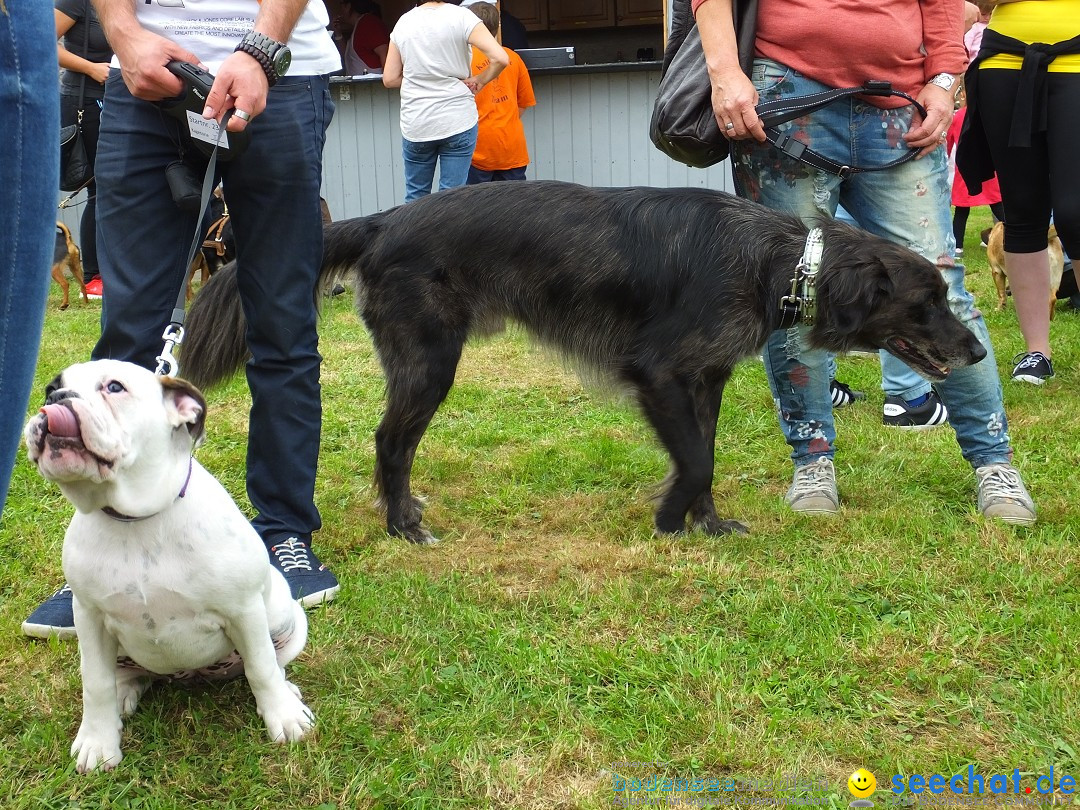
x=75, y=168
x=683, y=125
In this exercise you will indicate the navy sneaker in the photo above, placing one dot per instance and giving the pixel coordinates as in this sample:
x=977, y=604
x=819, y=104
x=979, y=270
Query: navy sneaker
x=53, y=618
x=1032, y=367
x=311, y=582
x=842, y=395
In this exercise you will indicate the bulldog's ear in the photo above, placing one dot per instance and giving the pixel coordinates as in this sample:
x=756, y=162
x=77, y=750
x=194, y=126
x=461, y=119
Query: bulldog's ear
x=185, y=405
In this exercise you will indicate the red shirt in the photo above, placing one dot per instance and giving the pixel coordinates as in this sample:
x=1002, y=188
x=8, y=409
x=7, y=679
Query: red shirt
x=842, y=43
x=369, y=33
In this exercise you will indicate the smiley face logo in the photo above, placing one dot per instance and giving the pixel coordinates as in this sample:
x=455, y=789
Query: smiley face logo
x=861, y=783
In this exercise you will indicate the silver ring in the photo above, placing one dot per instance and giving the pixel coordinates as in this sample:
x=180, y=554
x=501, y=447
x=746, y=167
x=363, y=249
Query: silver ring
x=729, y=125
x=246, y=116
x=943, y=135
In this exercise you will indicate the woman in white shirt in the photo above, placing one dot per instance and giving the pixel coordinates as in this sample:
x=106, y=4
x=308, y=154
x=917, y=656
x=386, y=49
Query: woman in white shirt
x=430, y=60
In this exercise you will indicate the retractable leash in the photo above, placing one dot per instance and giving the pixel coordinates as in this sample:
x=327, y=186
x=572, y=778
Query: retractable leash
x=64, y=203
x=167, y=364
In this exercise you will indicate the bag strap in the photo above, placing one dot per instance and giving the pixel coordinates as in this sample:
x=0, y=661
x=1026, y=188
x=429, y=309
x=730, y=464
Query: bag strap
x=780, y=111
x=87, y=11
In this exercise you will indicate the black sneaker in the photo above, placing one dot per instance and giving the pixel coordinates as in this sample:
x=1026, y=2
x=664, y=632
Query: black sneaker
x=53, y=618
x=311, y=582
x=1032, y=367
x=898, y=413
x=842, y=395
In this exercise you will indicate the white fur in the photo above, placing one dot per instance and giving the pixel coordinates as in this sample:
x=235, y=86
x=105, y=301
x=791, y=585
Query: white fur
x=180, y=588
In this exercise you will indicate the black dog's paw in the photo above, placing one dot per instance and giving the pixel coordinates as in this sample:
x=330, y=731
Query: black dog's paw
x=718, y=527
x=416, y=535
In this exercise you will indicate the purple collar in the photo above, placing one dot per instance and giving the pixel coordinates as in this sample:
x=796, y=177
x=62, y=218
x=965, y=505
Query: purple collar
x=108, y=510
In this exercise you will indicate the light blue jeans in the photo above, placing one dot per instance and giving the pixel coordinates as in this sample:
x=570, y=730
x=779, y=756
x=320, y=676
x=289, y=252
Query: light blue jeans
x=909, y=205
x=453, y=155
x=29, y=176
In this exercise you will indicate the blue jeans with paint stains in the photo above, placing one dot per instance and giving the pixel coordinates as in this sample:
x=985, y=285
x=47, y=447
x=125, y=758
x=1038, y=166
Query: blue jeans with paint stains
x=909, y=205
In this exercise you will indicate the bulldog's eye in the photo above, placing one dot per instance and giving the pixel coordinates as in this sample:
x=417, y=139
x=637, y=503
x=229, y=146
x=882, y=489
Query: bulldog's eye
x=115, y=387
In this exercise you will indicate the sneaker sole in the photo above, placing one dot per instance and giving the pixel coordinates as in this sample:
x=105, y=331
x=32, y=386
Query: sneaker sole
x=46, y=631
x=314, y=599
x=915, y=427
x=1013, y=520
x=1029, y=379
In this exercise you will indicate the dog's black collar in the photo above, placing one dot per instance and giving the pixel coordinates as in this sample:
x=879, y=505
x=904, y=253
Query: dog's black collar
x=800, y=305
x=108, y=510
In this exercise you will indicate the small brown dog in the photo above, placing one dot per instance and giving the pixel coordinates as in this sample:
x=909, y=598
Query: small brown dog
x=995, y=257
x=66, y=254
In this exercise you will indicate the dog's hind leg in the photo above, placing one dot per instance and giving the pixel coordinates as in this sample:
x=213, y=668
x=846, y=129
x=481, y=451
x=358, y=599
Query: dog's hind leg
x=417, y=381
x=669, y=404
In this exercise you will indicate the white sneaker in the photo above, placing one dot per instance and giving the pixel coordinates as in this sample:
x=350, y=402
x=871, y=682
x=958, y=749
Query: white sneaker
x=1002, y=495
x=813, y=489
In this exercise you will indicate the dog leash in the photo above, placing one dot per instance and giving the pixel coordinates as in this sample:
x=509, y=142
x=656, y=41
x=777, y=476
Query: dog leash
x=800, y=305
x=167, y=364
x=780, y=111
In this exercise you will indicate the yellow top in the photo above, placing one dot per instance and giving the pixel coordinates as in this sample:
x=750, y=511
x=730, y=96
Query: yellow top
x=1031, y=21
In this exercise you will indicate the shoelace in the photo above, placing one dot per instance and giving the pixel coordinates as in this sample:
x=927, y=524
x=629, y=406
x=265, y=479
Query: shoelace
x=1002, y=482
x=1030, y=360
x=816, y=477
x=292, y=555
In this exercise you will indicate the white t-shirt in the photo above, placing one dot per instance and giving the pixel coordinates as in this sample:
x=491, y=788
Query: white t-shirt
x=211, y=29
x=435, y=52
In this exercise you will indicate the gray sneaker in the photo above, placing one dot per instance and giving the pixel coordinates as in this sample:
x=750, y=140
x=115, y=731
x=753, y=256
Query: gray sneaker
x=1002, y=495
x=813, y=490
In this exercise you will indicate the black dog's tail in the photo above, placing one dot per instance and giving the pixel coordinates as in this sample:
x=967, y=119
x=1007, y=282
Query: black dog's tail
x=215, y=341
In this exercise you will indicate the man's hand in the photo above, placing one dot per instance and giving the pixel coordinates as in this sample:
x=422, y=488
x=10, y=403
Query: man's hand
x=930, y=133
x=143, y=56
x=241, y=85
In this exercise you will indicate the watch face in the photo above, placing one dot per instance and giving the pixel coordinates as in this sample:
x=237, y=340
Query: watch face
x=282, y=60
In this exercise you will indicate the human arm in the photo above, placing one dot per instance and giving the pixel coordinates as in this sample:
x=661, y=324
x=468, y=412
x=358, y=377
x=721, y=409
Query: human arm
x=733, y=94
x=381, y=51
x=241, y=82
x=481, y=39
x=943, y=41
x=142, y=54
x=393, y=68
x=98, y=71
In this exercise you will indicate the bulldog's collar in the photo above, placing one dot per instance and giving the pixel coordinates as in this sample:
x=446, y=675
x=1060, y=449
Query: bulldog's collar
x=800, y=305
x=108, y=510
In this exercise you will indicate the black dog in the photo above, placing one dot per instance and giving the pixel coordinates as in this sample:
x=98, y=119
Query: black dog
x=665, y=290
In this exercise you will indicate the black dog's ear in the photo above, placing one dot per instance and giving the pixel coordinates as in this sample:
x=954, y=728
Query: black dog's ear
x=851, y=288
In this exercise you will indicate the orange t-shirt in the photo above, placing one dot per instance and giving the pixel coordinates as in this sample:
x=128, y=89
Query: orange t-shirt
x=500, y=138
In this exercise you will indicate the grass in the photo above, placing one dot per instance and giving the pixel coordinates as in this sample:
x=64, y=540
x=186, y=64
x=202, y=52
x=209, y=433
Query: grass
x=550, y=634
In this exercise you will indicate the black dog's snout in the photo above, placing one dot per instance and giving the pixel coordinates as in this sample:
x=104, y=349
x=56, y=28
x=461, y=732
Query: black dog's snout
x=54, y=395
x=978, y=351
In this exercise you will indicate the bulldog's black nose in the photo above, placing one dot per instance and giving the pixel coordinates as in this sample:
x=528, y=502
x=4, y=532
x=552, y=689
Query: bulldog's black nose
x=54, y=395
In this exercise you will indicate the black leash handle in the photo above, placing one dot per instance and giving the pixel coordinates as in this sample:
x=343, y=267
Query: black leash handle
x=780, y=111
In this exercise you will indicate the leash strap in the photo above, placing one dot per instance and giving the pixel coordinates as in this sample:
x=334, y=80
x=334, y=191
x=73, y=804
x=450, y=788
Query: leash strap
x=167, y=364
x=780, y=111
x=800, y=305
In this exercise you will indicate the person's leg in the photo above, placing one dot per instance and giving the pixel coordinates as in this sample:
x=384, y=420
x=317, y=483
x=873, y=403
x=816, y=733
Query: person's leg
x=959, y=226
x=510, y=175
x=455, y=158
x=273, y=195
x=29, y=175
x=798, y=375
x=478, y=176
x=88, y=222
x=1024, y=177
x=1063, y=98
x=143, y=237
x=419, y=159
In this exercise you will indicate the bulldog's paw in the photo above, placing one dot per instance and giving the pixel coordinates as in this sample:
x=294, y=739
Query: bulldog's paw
x=96, y=749
x=288, y=719
x=128, y=694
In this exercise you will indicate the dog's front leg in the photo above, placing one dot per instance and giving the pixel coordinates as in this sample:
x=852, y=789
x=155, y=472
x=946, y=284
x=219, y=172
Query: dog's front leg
x=287, y=718
x=97, y=745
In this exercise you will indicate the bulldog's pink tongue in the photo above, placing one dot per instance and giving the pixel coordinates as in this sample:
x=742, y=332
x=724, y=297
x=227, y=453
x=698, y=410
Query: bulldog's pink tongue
x=62, y=421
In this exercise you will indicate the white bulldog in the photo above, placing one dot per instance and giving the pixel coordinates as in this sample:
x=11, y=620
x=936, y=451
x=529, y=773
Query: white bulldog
x=169, y=579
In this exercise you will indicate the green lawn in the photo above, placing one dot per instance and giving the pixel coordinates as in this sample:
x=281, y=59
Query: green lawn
x=551, y=635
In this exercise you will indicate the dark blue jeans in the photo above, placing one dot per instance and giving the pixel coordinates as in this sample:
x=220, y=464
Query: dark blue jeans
x=29, y=176
x=272, y=191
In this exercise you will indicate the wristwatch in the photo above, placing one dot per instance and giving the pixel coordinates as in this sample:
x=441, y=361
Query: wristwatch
x=274, y=57
x=943, y=80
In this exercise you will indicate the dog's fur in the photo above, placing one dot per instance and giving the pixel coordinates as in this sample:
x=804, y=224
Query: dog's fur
x=66, y=256
x=664, y=290
x=995, y=257
x=168, y=577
